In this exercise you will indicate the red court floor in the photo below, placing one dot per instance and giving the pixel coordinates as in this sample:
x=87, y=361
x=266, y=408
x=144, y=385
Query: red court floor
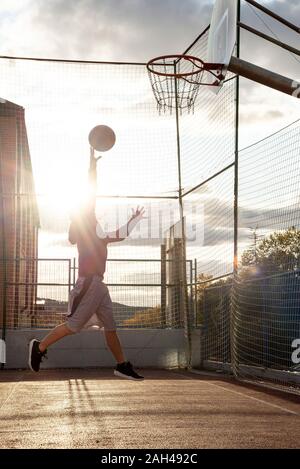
x=90, y=408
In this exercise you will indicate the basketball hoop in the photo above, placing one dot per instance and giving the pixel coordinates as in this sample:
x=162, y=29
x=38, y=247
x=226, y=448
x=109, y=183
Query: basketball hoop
x=175, y=79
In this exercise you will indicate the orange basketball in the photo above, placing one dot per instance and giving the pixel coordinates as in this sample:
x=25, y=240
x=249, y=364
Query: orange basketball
x=102, y=138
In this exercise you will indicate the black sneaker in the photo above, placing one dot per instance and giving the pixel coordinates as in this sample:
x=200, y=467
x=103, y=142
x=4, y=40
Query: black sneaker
x=35, y=355
x=125, y=370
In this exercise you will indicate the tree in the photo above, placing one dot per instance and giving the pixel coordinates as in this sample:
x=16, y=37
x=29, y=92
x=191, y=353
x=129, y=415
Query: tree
x=210, y=293
x=279, y=252
x=149, y=318
x=266, y=305
x=203, y=280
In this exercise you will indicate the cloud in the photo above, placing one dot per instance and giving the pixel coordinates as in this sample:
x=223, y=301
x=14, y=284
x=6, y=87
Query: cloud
x=255, y=116
x=270, y=219
x=128, y=29
x=260, y=104
x=136, y=30
x=123, y=30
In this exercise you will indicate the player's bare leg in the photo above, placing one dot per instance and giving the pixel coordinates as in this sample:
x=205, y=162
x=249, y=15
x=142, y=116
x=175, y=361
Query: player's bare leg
x=114, y=345
x=124, y=369
x=37, y=349
x=56, y=334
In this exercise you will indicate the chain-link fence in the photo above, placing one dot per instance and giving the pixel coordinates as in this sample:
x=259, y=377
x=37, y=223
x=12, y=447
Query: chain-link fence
x=141, y=290
x=251, y=320
x=185, y=168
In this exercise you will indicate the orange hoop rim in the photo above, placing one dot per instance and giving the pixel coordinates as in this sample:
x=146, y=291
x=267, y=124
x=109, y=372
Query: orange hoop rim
x=202, y=66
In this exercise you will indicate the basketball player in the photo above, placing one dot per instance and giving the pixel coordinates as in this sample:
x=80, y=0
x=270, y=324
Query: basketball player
x=89, y=301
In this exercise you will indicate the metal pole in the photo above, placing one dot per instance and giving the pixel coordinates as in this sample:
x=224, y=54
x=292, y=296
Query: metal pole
x=71, y=61
x=208, y=179
x=163, y=280
x=269, y=38
x=215, y=278
x=196, y=40
x=236, y=150
x=175, y=197
x=3, y=326
x=17, y=266
x=69, y=275
x=191, y=292
x=184, y=298
x=274, y=15
x=196, y=292
x=178, y=152
x=236, y=186
x=265, y=77
x=74, y=271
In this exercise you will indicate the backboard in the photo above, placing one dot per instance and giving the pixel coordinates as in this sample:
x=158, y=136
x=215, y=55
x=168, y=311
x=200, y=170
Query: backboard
x=222, y=35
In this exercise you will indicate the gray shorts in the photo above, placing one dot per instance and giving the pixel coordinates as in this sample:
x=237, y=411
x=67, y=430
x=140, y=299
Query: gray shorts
x=90, y=305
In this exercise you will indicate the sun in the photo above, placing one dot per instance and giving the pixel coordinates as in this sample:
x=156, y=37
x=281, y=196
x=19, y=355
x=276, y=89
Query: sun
x=66, y=199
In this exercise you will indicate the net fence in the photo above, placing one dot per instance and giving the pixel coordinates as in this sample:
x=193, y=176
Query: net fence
x=265, y=299
x=249, y=320
x=36, y=292
x=207, y=150
x=46, y=112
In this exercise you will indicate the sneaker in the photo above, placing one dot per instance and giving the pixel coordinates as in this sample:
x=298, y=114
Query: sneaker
x=35, y=355
x=125, y=370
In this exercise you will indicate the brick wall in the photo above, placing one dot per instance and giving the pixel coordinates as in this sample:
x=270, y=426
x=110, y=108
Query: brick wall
x=19, y=218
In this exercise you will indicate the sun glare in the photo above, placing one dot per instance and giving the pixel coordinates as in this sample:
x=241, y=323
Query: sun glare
x=66, y=198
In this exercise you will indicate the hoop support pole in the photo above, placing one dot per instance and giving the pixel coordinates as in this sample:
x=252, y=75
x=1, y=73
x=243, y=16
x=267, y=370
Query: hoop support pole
x=264, y=77
x=268, y=38
x=274, y=15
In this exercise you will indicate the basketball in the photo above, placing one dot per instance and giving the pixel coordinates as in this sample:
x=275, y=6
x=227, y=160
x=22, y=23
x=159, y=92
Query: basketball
x=102, y=138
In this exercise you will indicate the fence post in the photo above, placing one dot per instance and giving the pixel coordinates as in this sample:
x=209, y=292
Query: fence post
x=163, y=278
x=195, y=293
x=74, y=271
x=183, y=283
x=191, y=303
x=69, y=275
x=236, y=193
x=3, y=256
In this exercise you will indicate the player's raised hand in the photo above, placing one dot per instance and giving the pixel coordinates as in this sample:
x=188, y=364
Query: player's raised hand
x=93, y=160
x=138, y=212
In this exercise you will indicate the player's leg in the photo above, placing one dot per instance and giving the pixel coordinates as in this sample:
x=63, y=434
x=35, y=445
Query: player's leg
x=124, y=369
x=114, y=345
x=79, y=308
x=56, y=334
x=38, y=349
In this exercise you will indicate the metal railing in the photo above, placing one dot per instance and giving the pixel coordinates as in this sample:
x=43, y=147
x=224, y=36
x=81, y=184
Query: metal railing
x=142, y=297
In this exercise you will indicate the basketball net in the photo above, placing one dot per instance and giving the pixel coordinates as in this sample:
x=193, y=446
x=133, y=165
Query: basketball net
x=175, y=80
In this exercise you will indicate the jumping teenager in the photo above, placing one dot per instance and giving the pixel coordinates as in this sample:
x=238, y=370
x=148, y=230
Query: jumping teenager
x=89, y=301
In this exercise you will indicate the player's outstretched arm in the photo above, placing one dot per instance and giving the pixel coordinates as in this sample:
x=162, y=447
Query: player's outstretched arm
x=91, y=204
x=124, y=231
x=93, y=180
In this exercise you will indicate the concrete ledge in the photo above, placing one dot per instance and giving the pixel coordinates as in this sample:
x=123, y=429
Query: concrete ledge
x=257, y=373
x=163, y=348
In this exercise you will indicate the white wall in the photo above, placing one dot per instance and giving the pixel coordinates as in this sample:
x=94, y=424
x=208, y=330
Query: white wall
x=144, y=348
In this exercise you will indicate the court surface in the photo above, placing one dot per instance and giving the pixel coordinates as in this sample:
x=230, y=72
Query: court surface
x=90, y=408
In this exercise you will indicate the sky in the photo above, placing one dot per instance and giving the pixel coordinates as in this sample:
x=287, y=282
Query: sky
x=136, y=30
x=128, y=31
